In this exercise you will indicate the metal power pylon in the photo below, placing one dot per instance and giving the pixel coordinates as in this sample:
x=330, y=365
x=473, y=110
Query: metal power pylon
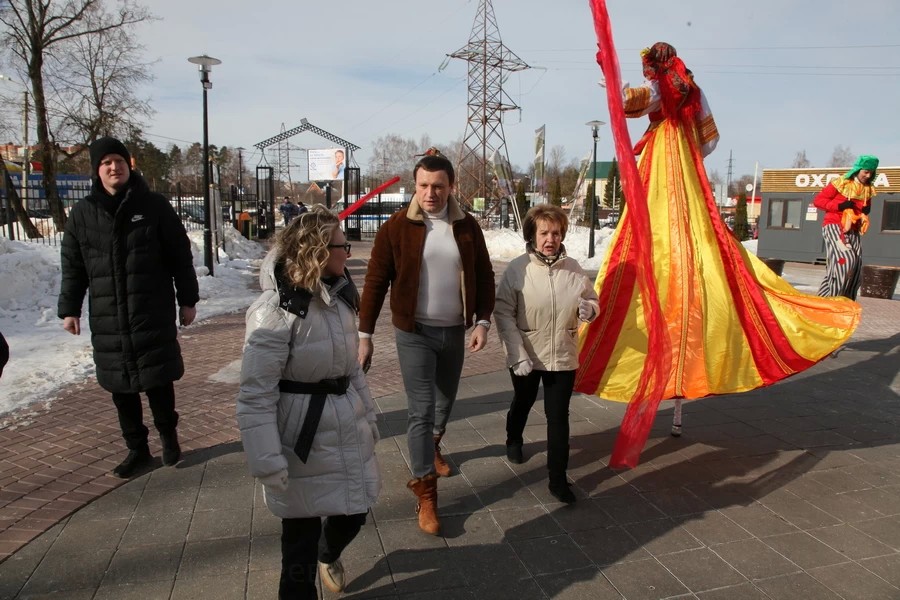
x=490, y=62
x=283, y=165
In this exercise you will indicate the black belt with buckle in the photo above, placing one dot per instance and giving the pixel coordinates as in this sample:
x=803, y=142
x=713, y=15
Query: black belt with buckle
x=319, y=390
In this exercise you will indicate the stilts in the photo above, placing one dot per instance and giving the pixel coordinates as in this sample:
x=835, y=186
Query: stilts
x=676, y=418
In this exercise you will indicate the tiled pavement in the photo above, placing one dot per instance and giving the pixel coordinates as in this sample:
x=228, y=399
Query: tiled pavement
x=789, y=492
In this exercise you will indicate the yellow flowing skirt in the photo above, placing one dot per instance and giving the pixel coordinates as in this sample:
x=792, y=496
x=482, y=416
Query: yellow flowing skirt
x=732, y=325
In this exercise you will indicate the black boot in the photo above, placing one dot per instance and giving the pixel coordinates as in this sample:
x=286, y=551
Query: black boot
x=137, y=459
x=557, y=463
x=560, y=490
x=171, y=448
x=514, y=453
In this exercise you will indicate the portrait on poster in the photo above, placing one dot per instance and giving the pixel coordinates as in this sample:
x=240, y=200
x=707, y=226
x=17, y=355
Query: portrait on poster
x=327, y=164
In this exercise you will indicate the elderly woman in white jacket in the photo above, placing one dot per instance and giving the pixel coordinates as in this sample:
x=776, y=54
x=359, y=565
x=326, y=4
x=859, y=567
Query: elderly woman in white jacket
x=306, y=416
x=540, y=300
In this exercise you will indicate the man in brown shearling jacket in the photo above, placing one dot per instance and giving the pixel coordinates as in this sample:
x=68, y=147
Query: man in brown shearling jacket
x=433, y=258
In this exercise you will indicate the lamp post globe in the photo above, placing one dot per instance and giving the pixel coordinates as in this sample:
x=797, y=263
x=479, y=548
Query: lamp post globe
x=595, y=127
x=206, y=64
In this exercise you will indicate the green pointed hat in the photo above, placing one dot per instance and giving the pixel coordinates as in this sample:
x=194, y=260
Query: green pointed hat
x=864, y=161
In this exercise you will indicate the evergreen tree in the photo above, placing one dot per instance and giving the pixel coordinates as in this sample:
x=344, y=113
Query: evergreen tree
x=588, y=197
x=741, y=226
x=152, y=162
x=568, y=178
x=556, y=192
x=521, y=199
x=612, y=193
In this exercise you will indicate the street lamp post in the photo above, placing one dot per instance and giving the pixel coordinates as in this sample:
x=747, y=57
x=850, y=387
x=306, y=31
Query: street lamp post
x=206, y=64
x=595, y=126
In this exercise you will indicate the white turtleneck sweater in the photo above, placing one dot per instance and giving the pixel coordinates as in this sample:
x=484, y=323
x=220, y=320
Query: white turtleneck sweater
x=439, y=302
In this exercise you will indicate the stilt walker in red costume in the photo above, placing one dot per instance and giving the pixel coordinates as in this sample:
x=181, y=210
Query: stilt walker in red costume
x=686, y=312
x=846, y=201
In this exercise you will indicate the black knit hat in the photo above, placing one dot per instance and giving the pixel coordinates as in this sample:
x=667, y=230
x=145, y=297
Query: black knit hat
x=104, y=146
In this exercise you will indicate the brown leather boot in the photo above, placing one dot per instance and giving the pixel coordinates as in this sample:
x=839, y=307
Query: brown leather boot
x=425, y=489
x=441, y=467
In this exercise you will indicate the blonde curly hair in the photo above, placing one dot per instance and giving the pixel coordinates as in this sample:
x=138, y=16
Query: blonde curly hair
x=302, y=247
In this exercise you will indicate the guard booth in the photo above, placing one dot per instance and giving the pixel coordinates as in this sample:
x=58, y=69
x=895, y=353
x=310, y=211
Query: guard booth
x=790, y=226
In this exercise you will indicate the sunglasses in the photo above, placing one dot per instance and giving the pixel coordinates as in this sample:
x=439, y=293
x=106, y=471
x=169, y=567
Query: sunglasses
x=346, y=247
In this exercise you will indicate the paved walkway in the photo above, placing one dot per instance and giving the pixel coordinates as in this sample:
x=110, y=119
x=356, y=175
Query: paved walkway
x=789, y=492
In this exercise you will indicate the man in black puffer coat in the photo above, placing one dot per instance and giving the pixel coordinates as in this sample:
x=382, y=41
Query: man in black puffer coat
x=126, y=246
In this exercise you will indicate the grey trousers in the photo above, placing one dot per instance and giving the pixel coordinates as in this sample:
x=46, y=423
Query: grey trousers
x=431, y=362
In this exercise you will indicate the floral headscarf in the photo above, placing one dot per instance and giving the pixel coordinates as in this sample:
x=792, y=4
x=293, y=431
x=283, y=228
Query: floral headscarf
x=676, y=82
x=656, y=57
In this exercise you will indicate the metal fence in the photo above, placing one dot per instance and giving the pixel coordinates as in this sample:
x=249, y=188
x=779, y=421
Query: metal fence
x=238, y=210
x=365, y=222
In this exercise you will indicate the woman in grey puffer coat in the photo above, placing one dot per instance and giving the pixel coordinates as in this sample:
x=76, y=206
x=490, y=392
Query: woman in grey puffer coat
x=306, y=416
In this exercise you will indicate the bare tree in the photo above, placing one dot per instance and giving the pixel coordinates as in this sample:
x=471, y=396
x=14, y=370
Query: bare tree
x=739, y=185
x=34, y=29
x=718, y=185
x=556, y=161
x=800, y=161
x=395, y=155
x=94, y=79
x=841, y=157
x=192, y=167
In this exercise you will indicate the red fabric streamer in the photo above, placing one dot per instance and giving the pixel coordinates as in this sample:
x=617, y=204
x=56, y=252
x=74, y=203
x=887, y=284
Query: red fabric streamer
x=641, y=411
x=355, y=206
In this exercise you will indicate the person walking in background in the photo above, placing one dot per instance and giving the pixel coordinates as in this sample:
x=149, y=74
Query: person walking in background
x=288, y=210
x=433, y=257
x=301, y=208
x=541, y=298
x=306, y=416
x=846, y=201
x=125, y=246
x=686, y=311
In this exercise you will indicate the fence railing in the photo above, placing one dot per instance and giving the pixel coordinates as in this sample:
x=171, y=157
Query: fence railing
x=188, y=204
x=238, y=210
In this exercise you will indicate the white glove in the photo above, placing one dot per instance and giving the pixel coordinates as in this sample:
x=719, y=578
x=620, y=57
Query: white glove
x=602, y=83
x=278, y=482
x=585, y=310
x=376, y=435
x=523, y=368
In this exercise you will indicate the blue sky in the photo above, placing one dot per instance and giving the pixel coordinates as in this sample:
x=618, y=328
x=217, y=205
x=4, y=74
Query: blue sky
x=780, y=76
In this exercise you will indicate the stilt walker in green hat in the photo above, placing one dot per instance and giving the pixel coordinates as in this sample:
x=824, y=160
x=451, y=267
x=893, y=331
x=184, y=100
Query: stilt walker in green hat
x=846, y=201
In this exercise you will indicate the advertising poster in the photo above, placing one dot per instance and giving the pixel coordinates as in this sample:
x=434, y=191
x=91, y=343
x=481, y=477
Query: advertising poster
x=327, y=164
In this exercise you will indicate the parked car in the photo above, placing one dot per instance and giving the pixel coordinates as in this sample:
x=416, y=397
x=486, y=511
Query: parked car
x=192, y=212
x=37, y=213
x=196, y=213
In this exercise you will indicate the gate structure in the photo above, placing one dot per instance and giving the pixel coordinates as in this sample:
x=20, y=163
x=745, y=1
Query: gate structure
x=265, y=202
x=350, y=181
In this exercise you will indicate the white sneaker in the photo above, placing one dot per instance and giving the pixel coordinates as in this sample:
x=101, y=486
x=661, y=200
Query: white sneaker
x=332, y=575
